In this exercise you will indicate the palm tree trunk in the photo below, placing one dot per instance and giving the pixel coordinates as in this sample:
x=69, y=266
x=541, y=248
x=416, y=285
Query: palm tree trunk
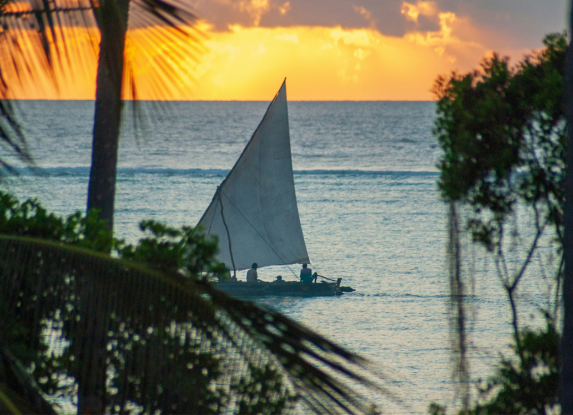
x=566, y=390
x=112, y=21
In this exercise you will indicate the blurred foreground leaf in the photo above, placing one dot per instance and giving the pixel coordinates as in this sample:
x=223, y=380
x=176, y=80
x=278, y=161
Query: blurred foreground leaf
x=166, y=342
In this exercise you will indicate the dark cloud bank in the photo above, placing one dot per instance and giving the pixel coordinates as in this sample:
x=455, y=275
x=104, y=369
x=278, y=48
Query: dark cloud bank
x=517, y=23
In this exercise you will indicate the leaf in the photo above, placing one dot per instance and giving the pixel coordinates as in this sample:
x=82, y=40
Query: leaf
x=168, y=343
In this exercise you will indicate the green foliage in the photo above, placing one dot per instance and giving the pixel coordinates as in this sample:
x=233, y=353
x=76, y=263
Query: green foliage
x=23, y=333
x=127, y=337
x=524, y=386
x=31, y=219
x=502, y=132
x=527, y=386
x=174, y=250
x=150, y=334
x=162, y=248
x=436, y=409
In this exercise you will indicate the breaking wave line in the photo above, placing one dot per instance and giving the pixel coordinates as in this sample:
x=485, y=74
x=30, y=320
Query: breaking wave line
x=85, y=170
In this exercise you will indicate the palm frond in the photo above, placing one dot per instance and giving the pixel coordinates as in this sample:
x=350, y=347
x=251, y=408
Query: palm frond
x=44, y=42
x=40, y=38
x=30, y=29
x=166, y=343
x=166, y=42
x=12, y=137
x=18, y=391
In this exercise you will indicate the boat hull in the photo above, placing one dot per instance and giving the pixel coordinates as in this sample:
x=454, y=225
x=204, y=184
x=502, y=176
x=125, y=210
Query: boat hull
x=285, y=289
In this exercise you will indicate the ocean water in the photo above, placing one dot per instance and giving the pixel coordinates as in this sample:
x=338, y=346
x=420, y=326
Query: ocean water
x=365, y=178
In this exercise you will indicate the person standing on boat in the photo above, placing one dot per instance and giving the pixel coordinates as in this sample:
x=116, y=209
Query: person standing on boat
x=306, y=275
x=252, y=276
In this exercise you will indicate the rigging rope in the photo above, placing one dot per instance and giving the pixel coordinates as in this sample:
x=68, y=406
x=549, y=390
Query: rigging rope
x=228, y=234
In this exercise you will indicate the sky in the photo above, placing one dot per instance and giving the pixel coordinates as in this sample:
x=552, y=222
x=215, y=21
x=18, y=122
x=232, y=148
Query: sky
x=330, y=49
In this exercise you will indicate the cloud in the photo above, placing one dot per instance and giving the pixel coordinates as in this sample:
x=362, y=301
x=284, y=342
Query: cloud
x=319, y=63
x=443, y=38
x=510, y=24
x=360, y=38
x=498, y=24
x=329, y=63
x=366, y=14
x=255, y=9
x=284, y=9
x=288, y=37
x=223, y=14
x=424, y=8
x=361, y=49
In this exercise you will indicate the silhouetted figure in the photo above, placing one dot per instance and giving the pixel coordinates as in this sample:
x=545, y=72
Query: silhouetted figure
x=306, y=275
x=252, y=276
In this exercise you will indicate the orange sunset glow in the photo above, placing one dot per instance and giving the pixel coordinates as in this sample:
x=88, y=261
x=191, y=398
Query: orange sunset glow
x=245, y=62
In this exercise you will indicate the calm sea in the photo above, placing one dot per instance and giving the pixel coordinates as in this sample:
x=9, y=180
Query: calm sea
x=366, y=186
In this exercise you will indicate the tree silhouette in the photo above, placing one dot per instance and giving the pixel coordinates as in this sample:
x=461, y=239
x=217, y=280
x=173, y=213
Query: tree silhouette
x=503, y=133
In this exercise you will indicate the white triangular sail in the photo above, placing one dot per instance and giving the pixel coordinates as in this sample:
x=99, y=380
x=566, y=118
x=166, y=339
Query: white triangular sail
x=258, y=200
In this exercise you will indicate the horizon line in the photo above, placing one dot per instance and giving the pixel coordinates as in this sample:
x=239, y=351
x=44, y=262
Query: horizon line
x=227, y=100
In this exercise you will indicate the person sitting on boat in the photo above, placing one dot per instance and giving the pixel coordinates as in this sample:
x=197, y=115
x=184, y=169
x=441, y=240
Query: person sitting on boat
x=252, y=276
x=306, y=275
x=279, y=280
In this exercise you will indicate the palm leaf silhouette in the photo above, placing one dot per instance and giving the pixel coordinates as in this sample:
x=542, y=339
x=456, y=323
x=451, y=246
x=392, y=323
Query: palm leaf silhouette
x=45, y=41
x=42, y=37
x=168, y=340
x=18, y=392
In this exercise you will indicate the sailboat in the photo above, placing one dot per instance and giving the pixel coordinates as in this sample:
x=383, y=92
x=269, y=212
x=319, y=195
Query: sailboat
x=254, y=212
